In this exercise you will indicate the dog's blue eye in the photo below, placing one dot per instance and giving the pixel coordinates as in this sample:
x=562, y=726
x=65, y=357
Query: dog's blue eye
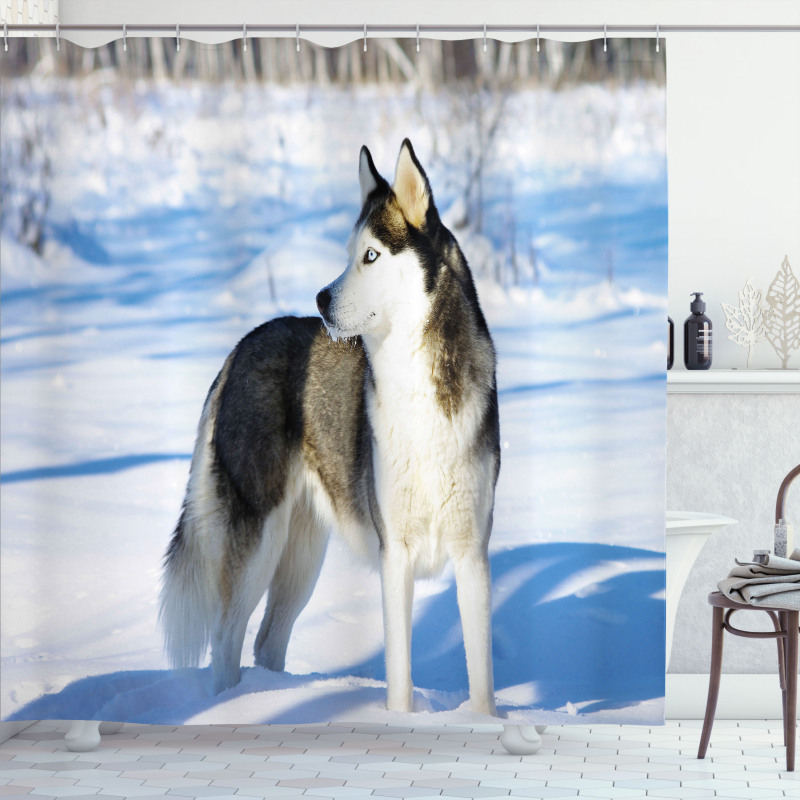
x=371, y=255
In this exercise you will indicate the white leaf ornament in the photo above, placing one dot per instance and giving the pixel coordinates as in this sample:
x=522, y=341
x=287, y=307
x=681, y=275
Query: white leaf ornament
x=747, y=323
x=783, y=326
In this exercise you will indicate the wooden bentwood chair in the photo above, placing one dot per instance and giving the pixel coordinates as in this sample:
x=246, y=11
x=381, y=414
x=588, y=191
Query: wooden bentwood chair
x=785, y=623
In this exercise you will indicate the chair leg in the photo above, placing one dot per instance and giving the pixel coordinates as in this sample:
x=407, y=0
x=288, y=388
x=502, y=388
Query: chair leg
x=717, y=632
x=790, y=714
x=781, y=642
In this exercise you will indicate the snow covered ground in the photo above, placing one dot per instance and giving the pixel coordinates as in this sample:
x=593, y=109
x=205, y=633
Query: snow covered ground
x=181, y=217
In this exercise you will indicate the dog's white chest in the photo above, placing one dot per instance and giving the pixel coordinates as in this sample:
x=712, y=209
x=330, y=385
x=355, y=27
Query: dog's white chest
x=427, y=482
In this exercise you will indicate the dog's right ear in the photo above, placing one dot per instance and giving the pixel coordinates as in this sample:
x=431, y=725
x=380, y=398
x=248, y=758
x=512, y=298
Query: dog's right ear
x=368, y=176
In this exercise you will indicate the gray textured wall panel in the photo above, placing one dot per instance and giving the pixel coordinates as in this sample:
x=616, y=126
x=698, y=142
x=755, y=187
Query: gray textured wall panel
x=727, y=454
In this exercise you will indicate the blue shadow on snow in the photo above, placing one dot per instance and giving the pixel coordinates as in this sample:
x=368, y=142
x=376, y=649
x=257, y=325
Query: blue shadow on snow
x=100, y=466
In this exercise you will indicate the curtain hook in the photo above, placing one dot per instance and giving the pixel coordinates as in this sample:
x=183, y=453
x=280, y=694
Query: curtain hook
x=297, y=37
x=365, y=37
x=124, y=37
x=484, y=37
x=58, y=36
x=244, y=37
x=5, y=35
x=605, y=40
x=658, y=40
x=537, y=37
x=418, y=37
x=177, y=38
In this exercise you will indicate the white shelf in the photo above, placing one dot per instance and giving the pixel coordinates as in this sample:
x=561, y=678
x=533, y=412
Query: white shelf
x=733, y=381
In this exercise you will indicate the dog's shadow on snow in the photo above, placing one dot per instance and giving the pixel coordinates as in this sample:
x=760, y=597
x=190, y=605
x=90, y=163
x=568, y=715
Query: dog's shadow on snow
x=577, y=623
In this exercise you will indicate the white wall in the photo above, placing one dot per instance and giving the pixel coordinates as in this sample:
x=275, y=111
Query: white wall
x=733, y=109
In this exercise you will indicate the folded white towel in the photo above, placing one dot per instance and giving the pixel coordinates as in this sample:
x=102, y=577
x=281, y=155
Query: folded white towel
x=774, y=584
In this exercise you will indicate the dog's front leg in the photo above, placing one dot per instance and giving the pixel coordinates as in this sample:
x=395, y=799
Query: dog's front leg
x=397, y=586
x=474, y=592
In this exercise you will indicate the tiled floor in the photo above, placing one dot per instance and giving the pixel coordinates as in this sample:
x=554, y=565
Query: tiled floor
x=745, y=760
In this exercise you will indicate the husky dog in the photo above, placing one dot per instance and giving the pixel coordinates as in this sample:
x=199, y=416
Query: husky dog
x=382, y=423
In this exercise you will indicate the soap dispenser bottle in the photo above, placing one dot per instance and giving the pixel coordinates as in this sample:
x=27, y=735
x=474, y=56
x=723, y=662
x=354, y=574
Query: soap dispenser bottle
x=697, y=336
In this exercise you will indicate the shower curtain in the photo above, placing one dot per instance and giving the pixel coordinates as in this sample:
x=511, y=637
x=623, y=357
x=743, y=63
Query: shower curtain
x=158, y=204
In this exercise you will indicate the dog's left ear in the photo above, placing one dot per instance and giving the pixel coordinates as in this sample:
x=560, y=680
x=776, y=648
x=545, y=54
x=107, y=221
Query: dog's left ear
x=411, y=187
x=368, y=177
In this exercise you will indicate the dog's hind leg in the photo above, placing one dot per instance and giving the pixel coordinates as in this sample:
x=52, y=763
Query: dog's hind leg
x=227, y=638
x=474, y=592
x=245, y=578
x=292, y=585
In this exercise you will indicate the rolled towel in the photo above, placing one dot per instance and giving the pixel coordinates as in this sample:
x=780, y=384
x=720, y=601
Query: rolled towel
x=774, y=584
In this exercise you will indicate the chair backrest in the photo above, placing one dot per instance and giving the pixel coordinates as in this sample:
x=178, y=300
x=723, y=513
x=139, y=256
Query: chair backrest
x=779, y=506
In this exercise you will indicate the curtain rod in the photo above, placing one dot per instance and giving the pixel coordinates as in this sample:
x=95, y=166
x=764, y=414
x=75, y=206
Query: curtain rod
x=409, y=29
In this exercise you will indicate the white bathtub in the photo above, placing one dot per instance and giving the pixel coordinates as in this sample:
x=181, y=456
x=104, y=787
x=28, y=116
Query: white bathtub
x=687, y=532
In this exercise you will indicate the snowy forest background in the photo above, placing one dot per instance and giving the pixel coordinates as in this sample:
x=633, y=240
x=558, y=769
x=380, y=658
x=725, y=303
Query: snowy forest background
x=158, y=204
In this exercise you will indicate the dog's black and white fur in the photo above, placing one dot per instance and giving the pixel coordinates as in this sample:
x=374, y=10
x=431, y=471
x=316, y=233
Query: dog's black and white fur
x=381, y=421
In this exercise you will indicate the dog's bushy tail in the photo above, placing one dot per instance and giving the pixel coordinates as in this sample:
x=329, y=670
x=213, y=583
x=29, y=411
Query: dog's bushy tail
x=186, y=599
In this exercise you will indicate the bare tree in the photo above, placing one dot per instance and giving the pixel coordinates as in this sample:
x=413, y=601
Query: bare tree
x=25, y=175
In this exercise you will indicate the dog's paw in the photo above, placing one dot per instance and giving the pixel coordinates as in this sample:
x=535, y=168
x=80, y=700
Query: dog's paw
x=484, y=706
x=227, y=680
x=401, y=702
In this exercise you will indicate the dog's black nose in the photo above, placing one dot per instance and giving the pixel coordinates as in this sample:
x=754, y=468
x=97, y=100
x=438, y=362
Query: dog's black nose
x=323, y=301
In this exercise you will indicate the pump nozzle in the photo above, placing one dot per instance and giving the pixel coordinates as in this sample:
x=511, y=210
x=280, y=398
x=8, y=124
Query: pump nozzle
x=697, y=305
